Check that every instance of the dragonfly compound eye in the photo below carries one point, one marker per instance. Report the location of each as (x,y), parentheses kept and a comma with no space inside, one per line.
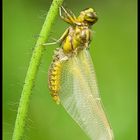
(89,16)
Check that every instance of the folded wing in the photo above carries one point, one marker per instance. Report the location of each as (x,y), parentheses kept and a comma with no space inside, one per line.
(80,96)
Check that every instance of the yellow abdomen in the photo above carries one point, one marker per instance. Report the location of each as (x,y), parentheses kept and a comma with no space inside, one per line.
(54,78)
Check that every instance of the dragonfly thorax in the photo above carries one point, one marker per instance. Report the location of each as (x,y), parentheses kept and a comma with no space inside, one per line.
(77,39)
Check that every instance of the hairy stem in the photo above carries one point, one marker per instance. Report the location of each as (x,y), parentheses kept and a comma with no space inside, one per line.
(32,70)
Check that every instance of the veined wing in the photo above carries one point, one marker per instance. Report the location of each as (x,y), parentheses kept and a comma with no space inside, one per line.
(80,97)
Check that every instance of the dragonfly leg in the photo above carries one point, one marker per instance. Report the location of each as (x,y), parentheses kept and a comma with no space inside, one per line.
(68,17)
(60,40)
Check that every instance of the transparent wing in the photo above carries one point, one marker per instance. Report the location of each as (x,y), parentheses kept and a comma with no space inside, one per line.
(80,97)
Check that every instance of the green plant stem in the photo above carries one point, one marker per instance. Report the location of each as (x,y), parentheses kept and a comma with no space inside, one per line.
(32,70)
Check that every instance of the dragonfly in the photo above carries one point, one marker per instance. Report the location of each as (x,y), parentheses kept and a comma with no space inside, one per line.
(71,77)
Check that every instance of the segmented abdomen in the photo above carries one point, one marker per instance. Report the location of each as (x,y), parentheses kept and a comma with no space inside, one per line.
(54,75)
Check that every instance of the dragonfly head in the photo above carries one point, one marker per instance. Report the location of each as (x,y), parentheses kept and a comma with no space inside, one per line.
(88,16)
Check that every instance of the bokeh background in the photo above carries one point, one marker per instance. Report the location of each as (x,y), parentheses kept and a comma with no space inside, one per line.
(114,53)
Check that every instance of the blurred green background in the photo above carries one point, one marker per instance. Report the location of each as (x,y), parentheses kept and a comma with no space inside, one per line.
(114,53)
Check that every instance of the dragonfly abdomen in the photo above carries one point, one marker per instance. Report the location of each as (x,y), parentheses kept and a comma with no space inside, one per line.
(54,77)
(54,74)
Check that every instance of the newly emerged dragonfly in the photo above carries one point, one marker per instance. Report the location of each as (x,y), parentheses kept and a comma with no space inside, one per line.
(72,79)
